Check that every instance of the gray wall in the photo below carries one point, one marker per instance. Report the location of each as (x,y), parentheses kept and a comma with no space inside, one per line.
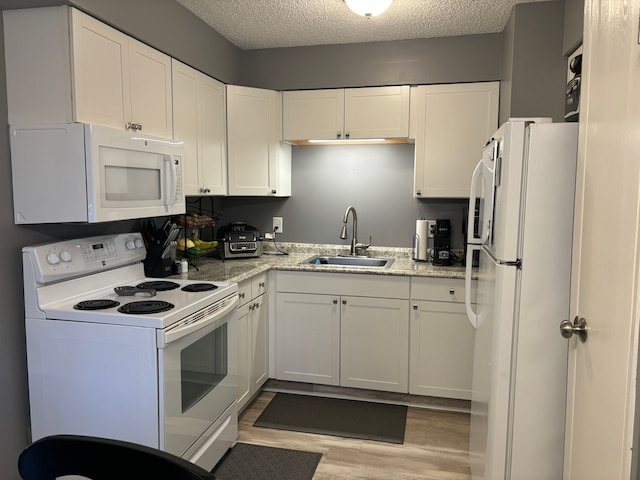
(376,179)
(534,69)
(473,58)
(573,25)
(315,217)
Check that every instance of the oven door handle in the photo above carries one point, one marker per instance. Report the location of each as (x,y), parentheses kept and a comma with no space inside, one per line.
(186,327)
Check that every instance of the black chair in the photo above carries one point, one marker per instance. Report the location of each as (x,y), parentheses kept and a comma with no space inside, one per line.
(103,459)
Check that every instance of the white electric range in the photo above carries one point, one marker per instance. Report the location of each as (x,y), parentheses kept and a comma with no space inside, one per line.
(112,353)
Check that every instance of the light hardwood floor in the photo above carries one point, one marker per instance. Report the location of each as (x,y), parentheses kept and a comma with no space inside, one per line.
(435,447)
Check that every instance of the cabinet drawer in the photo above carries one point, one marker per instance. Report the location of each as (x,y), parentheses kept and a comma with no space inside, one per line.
(258,284)
(244,292)
(441,289)
(329,283)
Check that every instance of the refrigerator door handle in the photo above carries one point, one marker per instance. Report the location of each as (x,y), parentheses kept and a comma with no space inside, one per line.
(471,315)
(473,194)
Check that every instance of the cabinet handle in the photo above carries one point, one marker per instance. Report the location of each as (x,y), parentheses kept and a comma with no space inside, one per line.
(256,305)
(241,295)
(347,134)
(335,301)
(261,285)
(452,291)
(339,134)
(418,192)
(415,306)
(205,190)
(273,192)
(344,302)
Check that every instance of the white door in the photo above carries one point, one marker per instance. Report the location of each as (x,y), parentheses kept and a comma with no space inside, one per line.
(602,371)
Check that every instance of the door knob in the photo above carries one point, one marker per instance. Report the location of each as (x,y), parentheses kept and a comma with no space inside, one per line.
(579,327)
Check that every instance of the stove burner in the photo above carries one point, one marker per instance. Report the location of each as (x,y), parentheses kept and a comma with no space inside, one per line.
(199,287)
(96,304)
(158,285)
(145,306)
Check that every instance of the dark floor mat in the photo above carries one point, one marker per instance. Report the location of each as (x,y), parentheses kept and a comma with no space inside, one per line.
(255,462)
(335,416)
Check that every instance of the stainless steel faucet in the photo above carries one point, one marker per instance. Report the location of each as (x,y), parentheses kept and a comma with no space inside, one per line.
(354,233)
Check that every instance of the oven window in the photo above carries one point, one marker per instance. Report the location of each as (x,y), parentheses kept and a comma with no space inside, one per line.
(203,364)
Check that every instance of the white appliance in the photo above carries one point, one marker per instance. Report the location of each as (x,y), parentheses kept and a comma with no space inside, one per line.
(525,183)
(113,354)
(89,173)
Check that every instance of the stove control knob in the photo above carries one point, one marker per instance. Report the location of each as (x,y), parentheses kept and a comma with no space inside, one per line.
(139,243)
(65,256)
(131,244)
(53,259)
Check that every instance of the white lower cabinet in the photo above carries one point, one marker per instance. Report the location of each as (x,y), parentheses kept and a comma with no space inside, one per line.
(343,329)
(308,338)
(253,327)
(441,339)
(374,349)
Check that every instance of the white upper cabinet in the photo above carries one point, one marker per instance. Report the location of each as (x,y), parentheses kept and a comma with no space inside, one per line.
(352,113)
(81,70)
(453,122)
(259,163)
(309,114)
(199,120)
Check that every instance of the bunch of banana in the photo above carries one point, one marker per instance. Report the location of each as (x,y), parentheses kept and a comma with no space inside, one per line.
(201,244)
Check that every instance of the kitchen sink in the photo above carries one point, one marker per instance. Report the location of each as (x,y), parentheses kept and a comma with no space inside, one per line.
(348,261)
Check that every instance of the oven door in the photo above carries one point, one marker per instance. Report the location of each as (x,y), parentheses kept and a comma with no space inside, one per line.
(198,373)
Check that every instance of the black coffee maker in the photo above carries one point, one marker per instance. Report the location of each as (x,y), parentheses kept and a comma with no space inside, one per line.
(442,243)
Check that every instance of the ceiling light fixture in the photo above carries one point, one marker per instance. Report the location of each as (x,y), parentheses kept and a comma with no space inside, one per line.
(368,8)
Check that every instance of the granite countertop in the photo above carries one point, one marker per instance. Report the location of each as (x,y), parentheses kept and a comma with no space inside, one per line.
(238,269)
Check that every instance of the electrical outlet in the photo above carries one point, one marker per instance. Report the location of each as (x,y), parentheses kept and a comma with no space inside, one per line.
(277,224)
(432,228)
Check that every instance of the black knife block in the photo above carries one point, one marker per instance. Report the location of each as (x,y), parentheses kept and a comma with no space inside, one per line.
(154,265)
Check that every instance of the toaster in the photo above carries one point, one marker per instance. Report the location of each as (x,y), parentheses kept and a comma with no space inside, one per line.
(239,240)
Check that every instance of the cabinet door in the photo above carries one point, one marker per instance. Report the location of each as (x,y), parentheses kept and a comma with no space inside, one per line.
(308,338)
(150,72)
(259,343)
(250,146)
(212,135)
(252,140)
(185,123)
(374,348)
(380,112)
(453,123)
(441,358)
(100,72)
(244,355)
(313,114)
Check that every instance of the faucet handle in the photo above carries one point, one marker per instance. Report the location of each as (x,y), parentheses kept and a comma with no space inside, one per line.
(364,246)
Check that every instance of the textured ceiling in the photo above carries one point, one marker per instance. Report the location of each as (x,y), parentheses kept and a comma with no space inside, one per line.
(252,24)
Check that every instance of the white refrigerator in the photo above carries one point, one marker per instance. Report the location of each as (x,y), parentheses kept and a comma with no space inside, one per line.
(525,186)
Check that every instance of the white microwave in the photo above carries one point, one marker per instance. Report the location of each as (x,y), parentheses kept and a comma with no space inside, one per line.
(89,173)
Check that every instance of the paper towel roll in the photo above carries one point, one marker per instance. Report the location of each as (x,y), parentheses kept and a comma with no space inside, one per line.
(420,240)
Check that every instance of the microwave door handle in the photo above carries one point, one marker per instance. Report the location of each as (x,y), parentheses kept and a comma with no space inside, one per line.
(473,194)
(171,197)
